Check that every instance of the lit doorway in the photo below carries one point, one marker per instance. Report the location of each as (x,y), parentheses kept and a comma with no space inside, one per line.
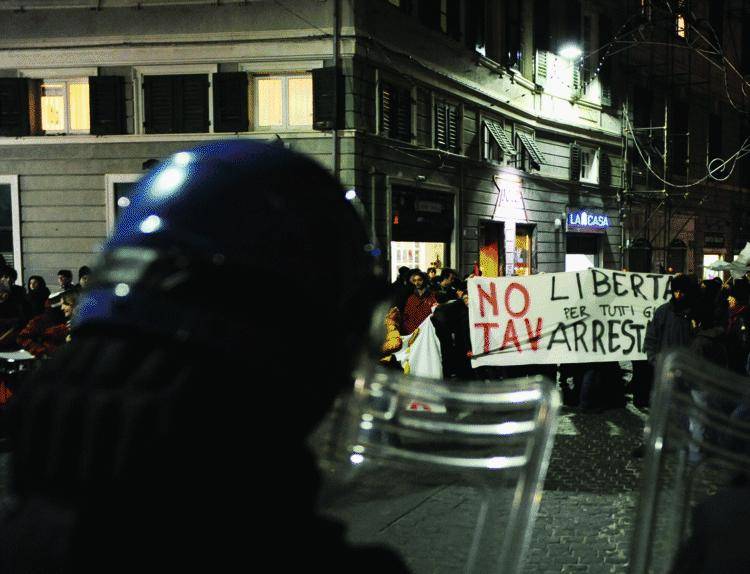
(416,255)
(421,229)
(491,256)
(581,252)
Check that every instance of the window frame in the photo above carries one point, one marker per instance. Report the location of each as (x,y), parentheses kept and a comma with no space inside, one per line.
(490,149)
(110,180)
(285,77)
(523,159)
(276,68)
(386,78)
(488,142)
(66,82)
(438,100)
(139,72)
(15,211)
(65,75)
(593,177)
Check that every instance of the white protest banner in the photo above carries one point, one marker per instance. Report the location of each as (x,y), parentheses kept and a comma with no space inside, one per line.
(585,316)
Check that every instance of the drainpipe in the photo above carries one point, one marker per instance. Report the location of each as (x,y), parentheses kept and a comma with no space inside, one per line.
(335,159)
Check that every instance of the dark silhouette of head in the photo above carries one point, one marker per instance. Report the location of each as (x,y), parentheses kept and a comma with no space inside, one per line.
(171,401)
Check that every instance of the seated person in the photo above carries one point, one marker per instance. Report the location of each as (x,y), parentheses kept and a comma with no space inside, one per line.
(38,295)
(44,334)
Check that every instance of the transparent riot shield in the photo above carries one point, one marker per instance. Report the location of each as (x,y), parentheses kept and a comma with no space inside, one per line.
(446,473)
(697,453)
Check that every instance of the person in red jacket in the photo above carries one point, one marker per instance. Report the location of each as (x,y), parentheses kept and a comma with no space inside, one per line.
(419,304)
(44,334)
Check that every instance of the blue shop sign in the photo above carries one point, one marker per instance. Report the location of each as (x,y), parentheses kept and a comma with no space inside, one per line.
(587,221)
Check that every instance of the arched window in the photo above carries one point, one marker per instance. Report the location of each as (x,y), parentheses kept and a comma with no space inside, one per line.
(639,256)
(676,256)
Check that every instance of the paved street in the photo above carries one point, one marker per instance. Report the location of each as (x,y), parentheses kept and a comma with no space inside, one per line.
(584,522)
(585,518)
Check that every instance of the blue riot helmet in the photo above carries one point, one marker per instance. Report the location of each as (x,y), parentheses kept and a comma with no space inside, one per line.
(224,315)
(239,246)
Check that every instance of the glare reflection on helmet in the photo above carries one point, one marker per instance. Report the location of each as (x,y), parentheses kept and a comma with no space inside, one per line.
(168,182)
(150,224)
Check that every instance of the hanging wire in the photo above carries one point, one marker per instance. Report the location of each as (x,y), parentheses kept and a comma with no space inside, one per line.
(713,166)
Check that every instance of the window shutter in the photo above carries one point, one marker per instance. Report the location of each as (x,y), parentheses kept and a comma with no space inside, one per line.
(194,104)
(325,98)
(395,112)
(541,67)
(15,106)
(441,125)
(159,104)
(35,106)
(446,126)
(230,102)
(387,96)
(529,144)
(403,115)
(575,162)
(605,169)
(107,105)
(497,131)
(453,128)
(576,77)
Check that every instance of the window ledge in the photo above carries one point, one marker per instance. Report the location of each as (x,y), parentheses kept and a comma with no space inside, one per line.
(135,138)
(490,64)
(521,80)
(586,103)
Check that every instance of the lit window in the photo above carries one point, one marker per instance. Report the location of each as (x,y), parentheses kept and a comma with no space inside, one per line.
(300,101)
(522,263)
(269,102)
(283,101)
(65,106)
(589,165)
(681,26)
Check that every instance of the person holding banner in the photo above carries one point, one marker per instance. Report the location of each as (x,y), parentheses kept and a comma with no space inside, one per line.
(671,326)
(451,321)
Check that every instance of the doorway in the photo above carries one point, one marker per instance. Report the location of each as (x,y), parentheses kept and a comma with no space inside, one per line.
(421,229)
(491,255)
(582,251)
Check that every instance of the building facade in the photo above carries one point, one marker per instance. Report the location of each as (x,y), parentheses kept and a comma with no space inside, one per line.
(463,136)
(685,193)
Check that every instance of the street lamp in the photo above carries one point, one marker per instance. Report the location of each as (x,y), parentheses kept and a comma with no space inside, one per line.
(570,51)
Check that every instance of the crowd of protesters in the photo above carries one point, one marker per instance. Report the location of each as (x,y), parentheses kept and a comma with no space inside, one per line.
(35,319)
(417,295)
(710,318)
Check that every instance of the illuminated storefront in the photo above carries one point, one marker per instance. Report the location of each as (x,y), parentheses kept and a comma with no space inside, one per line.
(422,225)
(585,229)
